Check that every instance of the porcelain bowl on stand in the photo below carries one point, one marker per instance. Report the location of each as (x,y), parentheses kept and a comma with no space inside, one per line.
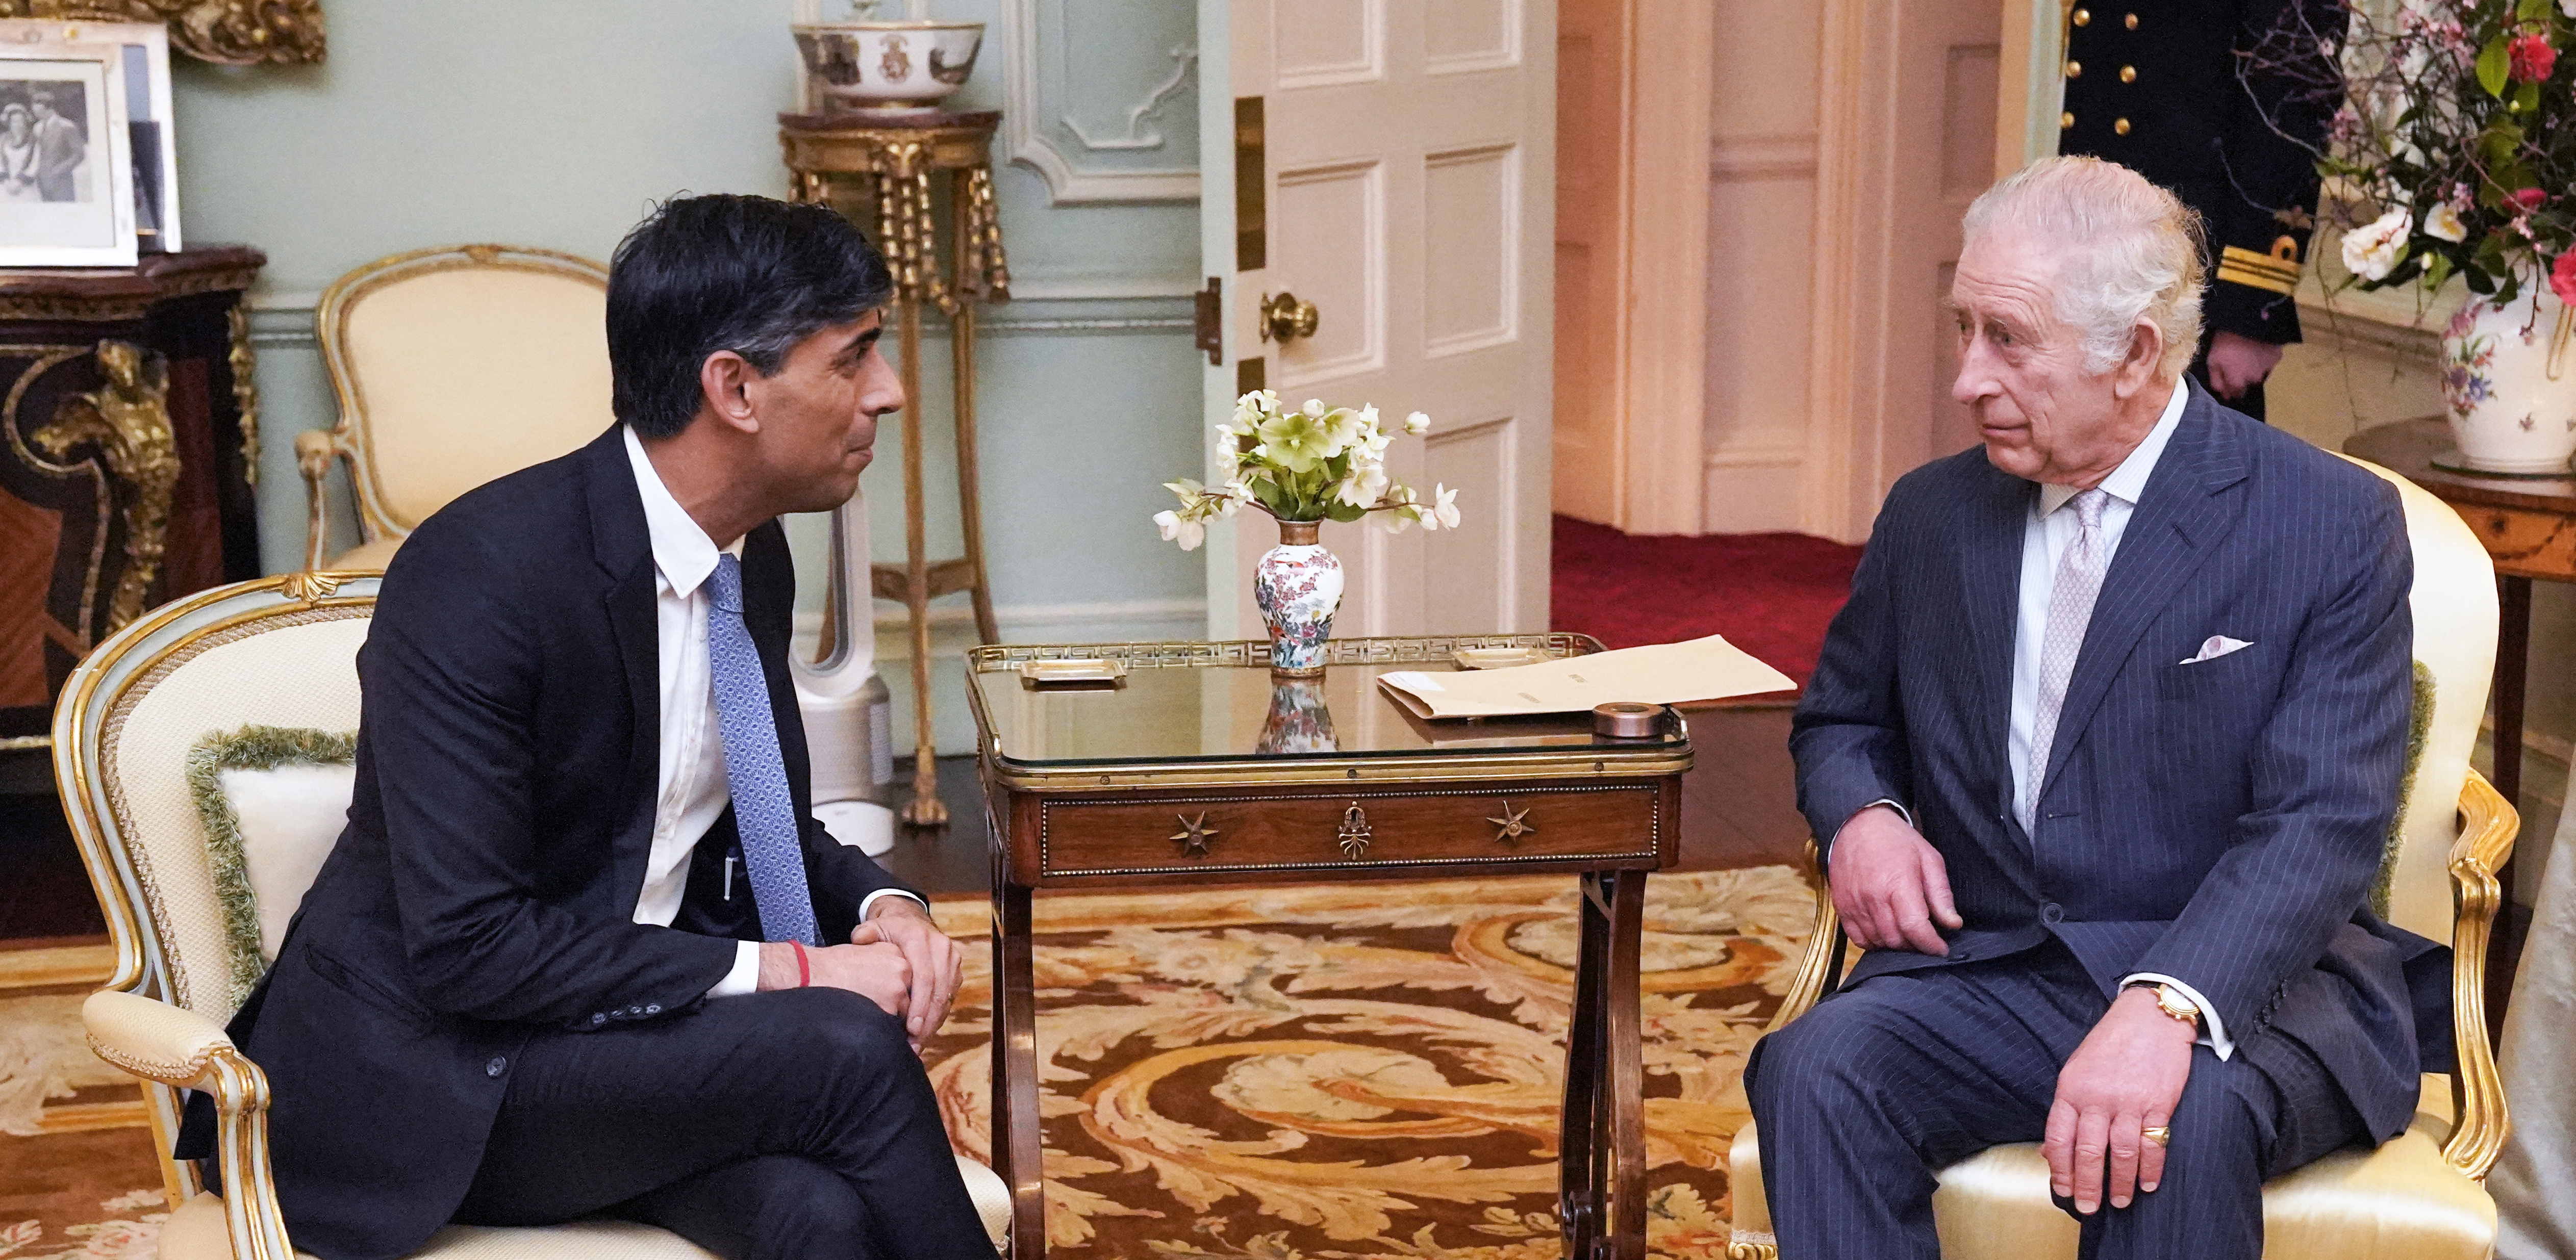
(887,67)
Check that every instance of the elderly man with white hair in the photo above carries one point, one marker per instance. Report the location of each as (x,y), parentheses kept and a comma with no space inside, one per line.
(2103,753)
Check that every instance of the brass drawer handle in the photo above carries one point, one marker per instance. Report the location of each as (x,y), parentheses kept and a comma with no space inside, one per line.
(1354,834)
(1512,824)
(1195,835)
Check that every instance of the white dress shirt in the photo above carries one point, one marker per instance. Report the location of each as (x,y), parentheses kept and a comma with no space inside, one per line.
(692,792)
(2043,544)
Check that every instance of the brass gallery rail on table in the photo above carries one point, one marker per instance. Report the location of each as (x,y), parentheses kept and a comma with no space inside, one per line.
(1198,767)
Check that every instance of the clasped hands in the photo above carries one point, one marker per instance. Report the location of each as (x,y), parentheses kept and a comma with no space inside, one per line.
(1890,885)
(898,959)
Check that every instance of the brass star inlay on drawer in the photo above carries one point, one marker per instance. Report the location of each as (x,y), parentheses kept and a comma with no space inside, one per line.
(1513,824)
(1194,836)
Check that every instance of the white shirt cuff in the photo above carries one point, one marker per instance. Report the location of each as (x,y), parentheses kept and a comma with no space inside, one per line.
(2213,1029)
(745,976)
(1901,812)
(869,902)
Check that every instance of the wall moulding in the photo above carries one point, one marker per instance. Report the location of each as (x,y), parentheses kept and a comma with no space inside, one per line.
(1096,106)
(1762,157)
(226,32)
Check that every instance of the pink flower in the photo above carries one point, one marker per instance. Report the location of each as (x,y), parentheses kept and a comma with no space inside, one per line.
(2530,58)
(2526,199)
(2562,277)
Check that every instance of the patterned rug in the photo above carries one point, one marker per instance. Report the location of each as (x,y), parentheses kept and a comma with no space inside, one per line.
(1345,1072)
(1357,1072)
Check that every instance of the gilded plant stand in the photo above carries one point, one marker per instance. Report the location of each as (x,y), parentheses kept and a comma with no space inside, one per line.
(883,174)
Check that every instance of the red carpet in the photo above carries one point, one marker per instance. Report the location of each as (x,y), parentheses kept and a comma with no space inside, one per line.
(1769,594)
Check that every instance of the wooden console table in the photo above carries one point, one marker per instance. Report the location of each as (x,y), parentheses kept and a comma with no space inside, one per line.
(894,167)
(1164,779)
(131,442)
(2528,525)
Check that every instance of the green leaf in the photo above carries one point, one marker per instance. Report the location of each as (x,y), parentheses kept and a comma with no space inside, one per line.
(1343,512)
(2493,63)
(2532,11)
(2480,281)
(2437,268)
(2526,98)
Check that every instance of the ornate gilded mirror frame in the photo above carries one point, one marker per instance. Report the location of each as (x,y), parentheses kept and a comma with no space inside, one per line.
(227,32)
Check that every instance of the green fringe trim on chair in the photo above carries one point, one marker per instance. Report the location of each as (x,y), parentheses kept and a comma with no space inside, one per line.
(250,748)
(2417,731)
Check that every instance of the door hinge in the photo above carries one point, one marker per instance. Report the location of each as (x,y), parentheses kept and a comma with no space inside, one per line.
(1207,320)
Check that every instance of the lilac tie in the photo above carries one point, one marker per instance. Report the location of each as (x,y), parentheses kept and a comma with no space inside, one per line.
(2070,610)
(763,811)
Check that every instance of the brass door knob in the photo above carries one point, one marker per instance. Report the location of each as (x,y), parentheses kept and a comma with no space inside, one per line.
(1285,319)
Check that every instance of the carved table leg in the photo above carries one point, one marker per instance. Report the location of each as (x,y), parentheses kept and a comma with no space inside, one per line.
(1017,1155)
(925,809)
(1603,1142)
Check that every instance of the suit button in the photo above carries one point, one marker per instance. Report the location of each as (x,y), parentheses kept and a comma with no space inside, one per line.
(2052,913)
(2128,74)
(653,1010)
(2130,21)
(2064,121)
(597,1019)
(497,1066)
(2082,17)
(2074,69)
(2119,126)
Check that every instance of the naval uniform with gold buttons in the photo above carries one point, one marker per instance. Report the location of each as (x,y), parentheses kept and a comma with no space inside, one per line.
(2156,86)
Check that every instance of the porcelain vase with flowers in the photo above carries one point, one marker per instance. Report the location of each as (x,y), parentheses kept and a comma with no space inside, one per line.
(2446,150)
(1302,467)
(2509,377)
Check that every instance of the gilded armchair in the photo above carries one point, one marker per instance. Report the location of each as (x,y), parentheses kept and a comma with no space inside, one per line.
(280,651)
(452,366)
(2418,1196)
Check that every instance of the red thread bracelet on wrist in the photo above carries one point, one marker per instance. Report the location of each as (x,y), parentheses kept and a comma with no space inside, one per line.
(804,972)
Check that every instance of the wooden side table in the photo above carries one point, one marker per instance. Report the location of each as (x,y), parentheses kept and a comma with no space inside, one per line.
(131,442)
(892,169)
(2529,527)
(1163,780)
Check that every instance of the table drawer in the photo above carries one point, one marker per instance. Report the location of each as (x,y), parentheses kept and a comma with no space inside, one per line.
(1244,833)
(2527,543)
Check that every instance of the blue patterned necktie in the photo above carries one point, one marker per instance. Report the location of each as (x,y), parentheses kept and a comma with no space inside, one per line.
(755,773)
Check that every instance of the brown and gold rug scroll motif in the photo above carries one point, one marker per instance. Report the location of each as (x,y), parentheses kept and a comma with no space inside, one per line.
(1349,1072)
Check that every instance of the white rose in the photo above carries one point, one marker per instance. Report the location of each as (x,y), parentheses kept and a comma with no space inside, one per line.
(2444,222)
(2371,250)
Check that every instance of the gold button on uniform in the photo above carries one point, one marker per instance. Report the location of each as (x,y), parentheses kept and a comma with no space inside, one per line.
(2082,17)
(2130,21)
(2065,121)
(2128,74)
(2120,126)
(2074,70)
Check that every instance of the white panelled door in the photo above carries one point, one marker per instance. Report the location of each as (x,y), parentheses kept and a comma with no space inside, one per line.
(1391,162)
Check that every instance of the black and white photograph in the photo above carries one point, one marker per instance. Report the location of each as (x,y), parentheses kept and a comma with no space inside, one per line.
(66,183)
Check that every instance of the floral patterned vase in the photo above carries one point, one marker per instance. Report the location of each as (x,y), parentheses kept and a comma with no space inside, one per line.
(2509,376)
(1298,586)
(1299,721)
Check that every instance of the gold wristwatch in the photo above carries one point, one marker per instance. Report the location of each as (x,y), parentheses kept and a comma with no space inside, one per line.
(2176,1005)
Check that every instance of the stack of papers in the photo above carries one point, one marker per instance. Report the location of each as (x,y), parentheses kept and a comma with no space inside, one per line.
(1666,673)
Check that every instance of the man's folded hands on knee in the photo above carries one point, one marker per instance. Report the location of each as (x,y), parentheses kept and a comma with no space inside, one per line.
(898,959)
(1890,884)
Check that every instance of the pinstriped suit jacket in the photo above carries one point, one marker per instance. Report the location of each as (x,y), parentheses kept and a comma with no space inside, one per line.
(2219,822)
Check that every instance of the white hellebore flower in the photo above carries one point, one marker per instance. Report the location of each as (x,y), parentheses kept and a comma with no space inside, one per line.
(1444,508)
(2371,250)
(1363,486)
(1186,531)
(2444,222)
(1419,423)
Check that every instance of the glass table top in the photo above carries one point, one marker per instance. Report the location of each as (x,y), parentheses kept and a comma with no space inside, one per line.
(1218,702)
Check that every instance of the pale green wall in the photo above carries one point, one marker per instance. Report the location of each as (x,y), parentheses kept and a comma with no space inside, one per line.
(557,123)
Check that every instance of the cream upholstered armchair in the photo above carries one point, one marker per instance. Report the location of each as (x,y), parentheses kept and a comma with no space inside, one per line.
(453,366)
(2420,1196)
(278,652)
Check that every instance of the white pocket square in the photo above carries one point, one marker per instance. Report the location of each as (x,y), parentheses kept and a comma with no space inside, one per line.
(2219,645)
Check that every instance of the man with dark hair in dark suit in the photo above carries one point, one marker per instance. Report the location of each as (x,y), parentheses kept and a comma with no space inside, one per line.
(2102,754)
(2215,100)
(583,948)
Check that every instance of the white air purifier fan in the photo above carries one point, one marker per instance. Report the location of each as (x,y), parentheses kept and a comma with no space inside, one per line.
(848,713)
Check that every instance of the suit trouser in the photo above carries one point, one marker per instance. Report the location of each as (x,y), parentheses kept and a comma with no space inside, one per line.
(789,1124)
(1863,1098)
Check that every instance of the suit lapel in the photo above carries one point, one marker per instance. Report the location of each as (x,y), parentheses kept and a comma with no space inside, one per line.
(2180,518)
(1990,581)
(623,548)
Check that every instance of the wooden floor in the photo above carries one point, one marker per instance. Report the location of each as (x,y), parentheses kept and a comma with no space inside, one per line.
(1739,807)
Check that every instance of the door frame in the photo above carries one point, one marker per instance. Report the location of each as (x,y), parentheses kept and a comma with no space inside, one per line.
(1847,460)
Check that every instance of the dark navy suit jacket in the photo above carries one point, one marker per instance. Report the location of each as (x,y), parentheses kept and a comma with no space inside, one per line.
(484,891)
(2220,822)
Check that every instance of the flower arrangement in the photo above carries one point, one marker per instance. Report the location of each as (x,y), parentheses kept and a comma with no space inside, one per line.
(2456,132)
(1314,463)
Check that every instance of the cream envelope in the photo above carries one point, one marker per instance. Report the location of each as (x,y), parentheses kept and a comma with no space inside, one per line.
(1665,673)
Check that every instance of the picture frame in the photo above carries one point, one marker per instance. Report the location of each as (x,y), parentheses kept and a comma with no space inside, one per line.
(66,157)
(150,132)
